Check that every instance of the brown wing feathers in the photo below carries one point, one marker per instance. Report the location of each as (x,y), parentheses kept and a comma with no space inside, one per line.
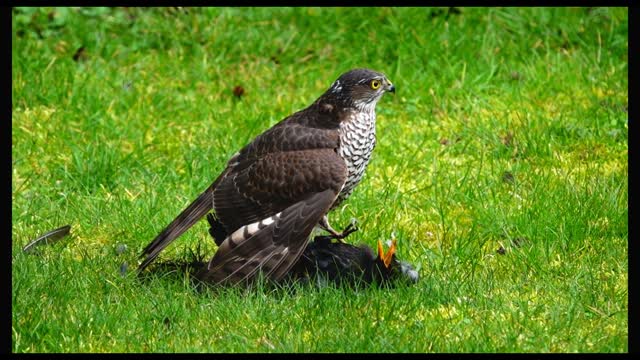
(278,196)
(274,182)
(270,209)
(187,218)
(271,248)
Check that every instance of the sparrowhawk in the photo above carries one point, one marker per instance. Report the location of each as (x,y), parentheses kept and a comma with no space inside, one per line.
(275,190)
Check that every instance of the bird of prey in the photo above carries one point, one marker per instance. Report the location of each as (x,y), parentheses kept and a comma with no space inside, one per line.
(281,185)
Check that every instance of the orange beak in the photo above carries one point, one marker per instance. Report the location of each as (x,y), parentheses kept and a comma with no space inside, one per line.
(386,258)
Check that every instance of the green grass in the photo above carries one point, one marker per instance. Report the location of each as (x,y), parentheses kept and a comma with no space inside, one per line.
(508,129)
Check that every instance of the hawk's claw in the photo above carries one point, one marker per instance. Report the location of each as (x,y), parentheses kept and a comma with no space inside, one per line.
(351,228)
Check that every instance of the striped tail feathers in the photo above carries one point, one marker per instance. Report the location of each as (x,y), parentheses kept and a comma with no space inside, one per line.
(187,218)
(271,245)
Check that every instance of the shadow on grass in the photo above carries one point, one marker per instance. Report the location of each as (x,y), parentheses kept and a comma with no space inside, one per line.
(323,263)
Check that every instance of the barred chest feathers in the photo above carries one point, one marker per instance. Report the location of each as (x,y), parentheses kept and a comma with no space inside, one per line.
(357,141)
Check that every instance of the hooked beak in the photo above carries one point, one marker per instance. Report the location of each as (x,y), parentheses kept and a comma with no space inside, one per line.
(391,87)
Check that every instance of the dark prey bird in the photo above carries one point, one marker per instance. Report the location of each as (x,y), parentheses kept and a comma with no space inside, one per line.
(341,263)
(281,185)
(344,263)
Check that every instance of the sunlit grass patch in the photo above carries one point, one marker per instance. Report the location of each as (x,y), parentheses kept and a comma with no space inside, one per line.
(500,168)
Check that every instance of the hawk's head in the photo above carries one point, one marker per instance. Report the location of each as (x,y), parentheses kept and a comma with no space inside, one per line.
(360,88)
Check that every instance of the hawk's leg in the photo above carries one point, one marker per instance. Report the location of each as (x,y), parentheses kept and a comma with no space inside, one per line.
(324,223)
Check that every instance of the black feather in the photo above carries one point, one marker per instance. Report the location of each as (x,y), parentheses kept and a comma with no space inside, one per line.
(48,238)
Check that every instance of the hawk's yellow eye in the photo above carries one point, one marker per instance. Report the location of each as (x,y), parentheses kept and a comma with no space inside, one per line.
(375,84)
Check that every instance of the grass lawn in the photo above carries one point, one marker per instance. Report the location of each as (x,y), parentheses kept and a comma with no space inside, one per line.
(501,166)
